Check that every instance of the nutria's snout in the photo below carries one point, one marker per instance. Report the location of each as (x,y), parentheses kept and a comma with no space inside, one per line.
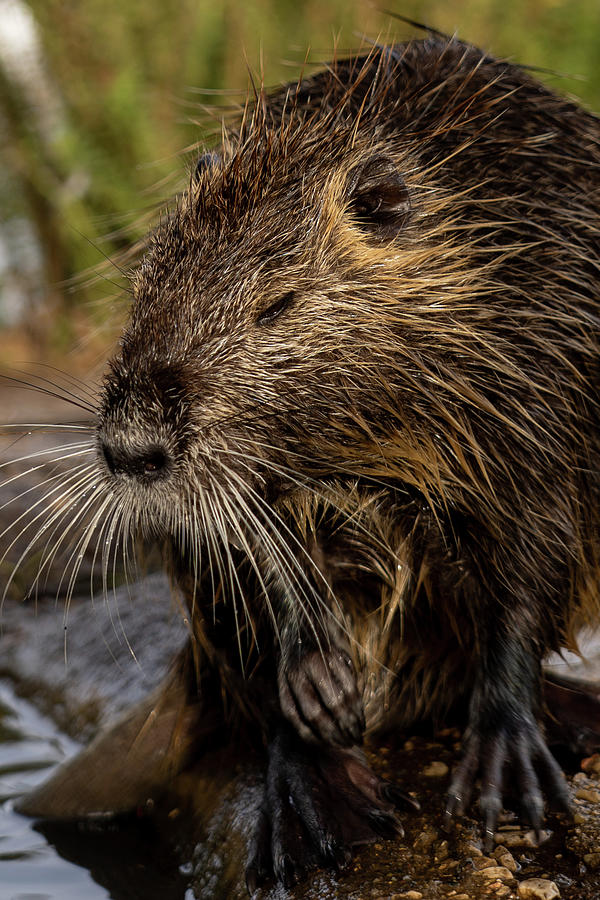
(150,463)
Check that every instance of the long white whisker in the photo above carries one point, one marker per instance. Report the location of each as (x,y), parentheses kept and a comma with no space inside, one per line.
(216,512)
(59,493)
(53,391)
(44,428)
(315,487)
(120,533)
(48,555)
(83,543)
(239,532)
(78,448)
(74,492)
(282,554)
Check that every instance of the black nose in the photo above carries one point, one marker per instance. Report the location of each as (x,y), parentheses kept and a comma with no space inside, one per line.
(149,463)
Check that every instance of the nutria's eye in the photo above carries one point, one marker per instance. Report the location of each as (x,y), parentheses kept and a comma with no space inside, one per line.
(379,198)
(275,309)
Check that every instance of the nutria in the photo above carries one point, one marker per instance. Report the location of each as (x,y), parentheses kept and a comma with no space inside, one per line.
(357,399)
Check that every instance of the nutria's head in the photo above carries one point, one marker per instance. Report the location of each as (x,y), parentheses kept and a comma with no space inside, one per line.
(250,341)
(281,309)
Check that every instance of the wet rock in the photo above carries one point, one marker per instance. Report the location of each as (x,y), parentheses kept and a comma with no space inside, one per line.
(587,794)
(521,838)
(538,889)
(483,862)
(496,872)
(505,858)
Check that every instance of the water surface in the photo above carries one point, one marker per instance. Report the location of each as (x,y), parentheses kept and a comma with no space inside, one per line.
(124,861)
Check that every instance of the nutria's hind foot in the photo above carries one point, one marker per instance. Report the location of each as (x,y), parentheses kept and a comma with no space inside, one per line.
(519,748)
(318,804)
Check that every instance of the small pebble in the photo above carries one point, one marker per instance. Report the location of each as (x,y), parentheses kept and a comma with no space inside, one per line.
(436,770)
(448,865)
(500,872)
(505,858)
(424,841)
(538,889)
(442,851)
(592,860)
(588,794)
(591,765)
(522,838)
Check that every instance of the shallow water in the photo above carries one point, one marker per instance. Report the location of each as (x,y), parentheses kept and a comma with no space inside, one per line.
(30,868)
(35,859)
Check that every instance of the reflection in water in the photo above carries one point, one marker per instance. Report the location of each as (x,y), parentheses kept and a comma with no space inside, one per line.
(122,860)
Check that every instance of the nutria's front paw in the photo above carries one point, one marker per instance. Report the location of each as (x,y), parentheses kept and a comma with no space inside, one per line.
(319,696)
(318,804)
(521,747)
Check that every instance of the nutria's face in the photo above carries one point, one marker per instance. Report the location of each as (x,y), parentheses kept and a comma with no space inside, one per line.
(241,350)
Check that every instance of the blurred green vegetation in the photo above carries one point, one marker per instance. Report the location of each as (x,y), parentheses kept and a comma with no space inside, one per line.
(91,151)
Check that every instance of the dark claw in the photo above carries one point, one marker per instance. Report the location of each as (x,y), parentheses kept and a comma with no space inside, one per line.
(393,794)
(342,858)
(490,801)
(385,824)
(555,780)
(532,801)
(286,871)
(252,880)
(459,793)
(337,855)
(533,807)
(258,869)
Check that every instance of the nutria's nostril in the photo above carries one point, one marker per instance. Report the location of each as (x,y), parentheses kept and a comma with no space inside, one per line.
(149,463)
(154,462)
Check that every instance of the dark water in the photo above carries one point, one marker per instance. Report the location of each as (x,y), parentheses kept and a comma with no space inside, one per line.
(36,860)
(30,868)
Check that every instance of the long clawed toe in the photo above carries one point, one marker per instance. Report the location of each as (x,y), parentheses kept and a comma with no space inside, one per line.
(318,804)
(521,749)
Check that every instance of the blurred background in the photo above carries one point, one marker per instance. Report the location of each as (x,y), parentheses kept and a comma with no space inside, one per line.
(100,100)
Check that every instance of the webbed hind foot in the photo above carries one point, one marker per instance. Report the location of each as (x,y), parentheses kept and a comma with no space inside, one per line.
(318,804)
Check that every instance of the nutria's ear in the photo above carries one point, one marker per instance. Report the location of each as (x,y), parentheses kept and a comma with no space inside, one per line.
(379,199)
(206,161)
